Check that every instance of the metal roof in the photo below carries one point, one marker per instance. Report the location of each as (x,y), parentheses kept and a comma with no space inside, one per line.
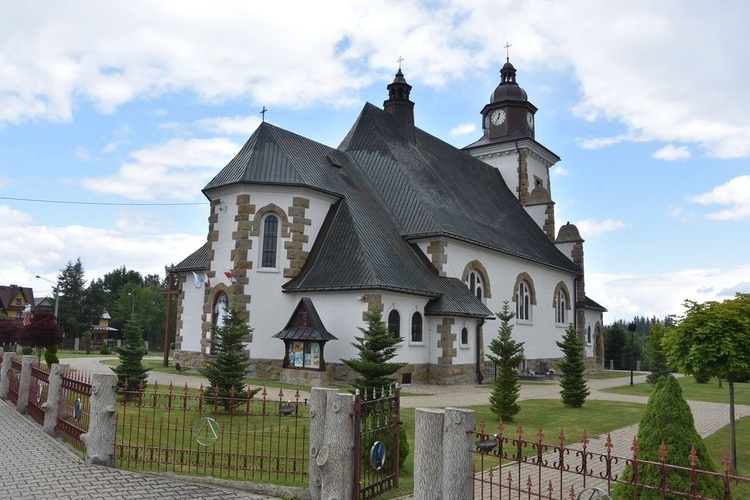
(305,324)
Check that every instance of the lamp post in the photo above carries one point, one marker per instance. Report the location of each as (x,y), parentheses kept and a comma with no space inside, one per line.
(132,307)
(631,329)
(57,293)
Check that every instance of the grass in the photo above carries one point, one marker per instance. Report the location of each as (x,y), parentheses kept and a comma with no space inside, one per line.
(692,391)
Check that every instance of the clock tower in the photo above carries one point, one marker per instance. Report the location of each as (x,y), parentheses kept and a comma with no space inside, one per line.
(509,114)
(509,144)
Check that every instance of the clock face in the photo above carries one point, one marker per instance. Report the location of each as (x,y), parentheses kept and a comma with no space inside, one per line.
(497,117)
(530,119)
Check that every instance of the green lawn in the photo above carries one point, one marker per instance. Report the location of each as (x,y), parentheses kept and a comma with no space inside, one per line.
(693,391)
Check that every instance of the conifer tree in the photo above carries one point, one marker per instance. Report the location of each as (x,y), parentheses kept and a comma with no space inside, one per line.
(659,365)
(376,347)
(227,370)
(131,357)
(667,418)
(574,390)
(508,355)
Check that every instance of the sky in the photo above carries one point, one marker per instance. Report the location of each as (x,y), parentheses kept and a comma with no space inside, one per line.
(114,116)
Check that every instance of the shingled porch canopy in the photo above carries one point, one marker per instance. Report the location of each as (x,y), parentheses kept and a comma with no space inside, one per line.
(304,338)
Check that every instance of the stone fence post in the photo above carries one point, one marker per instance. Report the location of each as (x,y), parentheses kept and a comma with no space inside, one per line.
(100,438)
(54,393)
(23,386)
(442,454)
(332,458)
(4,371)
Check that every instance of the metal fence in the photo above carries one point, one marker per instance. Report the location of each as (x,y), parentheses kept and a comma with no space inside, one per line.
(74,409)
(376,442)
(188,431)
(509,466)
(14,379)
(38,389)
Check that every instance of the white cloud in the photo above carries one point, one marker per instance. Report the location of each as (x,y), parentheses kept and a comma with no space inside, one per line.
(593,227)
(175,170)
(30,249)
(672,153)
(662,69)
(735,193)
(603,142)
(629,295)
(82,154)
(463,129)
(559,170)
(238,125)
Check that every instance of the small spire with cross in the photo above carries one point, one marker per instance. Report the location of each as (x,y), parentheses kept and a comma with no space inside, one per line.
(507,47)
(263,113)
(399,61)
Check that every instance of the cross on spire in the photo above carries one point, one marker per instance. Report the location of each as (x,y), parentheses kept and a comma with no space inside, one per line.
(507,46)
(399,61)
(263,113)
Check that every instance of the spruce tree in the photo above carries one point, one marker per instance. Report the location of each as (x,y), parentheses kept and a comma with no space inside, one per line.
(667,418)
(227,370)
(574,390)
(508,355)
(659,365)
(131,357)
(376,347)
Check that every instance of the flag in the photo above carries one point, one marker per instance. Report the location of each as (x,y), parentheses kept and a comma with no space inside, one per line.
(229,275)
(198,280)
(208,280)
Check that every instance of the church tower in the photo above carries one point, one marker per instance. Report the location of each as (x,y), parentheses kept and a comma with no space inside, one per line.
(508,144)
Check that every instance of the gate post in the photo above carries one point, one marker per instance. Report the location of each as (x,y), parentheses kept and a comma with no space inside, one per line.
(318,403)
(25,383)
(52,405)
(457,458)
(335,458)
(4,373)
(428,453)
(100,438)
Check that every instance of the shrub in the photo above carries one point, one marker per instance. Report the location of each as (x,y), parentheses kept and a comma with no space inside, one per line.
(105,349)
(667,419)
(573,386)
(50,355)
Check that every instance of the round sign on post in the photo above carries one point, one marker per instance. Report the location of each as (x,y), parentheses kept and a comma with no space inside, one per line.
(377,455)
(206,431)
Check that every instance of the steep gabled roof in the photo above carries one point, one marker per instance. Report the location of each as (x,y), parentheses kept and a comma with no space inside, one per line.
(305,324)
(434,189)
(196,261)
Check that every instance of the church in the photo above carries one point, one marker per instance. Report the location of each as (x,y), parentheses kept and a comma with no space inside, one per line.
(307,238)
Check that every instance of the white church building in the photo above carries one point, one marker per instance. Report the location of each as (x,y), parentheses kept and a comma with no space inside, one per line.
(307,238)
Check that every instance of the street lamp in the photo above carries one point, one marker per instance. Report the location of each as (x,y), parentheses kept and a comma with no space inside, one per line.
(132,308)
(57,293)
(631,329)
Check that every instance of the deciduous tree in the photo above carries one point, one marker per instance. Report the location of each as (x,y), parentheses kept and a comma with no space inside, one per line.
(713,338)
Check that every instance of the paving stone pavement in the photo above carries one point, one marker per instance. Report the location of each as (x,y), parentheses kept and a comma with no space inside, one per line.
(35,466)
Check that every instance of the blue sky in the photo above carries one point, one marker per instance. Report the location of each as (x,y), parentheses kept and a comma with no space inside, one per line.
(114,115)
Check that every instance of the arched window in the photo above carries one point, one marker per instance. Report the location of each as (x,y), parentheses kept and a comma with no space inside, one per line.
(221,306)
(394,323)
(416,327)
(475,285)
(523,302)
(560,307)
(270,240)
(464,336)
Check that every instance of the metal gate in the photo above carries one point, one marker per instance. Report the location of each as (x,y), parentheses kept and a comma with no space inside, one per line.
(376,442)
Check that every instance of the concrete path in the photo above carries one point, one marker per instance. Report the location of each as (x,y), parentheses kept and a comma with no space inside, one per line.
(34,465)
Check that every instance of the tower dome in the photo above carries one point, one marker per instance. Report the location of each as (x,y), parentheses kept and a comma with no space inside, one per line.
(508,90)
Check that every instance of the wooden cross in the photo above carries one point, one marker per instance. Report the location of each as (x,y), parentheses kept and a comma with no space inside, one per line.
(263,113)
